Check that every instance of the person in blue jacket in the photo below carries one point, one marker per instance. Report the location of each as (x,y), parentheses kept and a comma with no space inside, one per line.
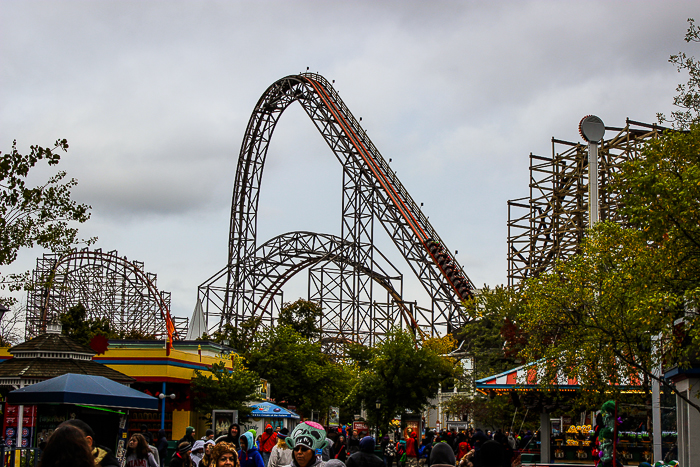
(249,456)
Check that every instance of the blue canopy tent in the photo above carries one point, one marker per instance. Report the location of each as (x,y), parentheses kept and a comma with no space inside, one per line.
(268,410)
(265,413)
(89,390)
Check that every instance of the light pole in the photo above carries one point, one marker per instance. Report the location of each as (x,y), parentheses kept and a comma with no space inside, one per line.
(592,129)
(162,397)
(378,405)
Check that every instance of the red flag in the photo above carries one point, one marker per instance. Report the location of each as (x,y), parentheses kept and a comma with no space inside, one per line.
(171,329)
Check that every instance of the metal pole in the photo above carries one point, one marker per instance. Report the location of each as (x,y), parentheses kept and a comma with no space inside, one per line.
(614,463)
(593,183)
(20,420)
(162,410)
(656,400)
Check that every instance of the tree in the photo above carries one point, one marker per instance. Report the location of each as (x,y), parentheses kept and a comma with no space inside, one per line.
(238,337)
(483,338)
(594,316)
(76,325)
(40,215)
(688,97)
(485,412)
(12,326)
(303,317)
(219,388)
(402,375)
(299,373)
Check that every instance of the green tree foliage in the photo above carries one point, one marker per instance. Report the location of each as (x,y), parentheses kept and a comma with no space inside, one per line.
(303,317)
(240,338)
(688,97)
(489,413)
(219,388)
(40,215)
(402,375)
(593,316)
(483,338)
(76,325)
(299,373)
(359,354)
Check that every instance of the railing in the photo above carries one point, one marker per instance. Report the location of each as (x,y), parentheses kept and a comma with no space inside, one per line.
(19,457)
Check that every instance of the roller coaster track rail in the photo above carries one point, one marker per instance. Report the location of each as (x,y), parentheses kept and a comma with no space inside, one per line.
(372,191)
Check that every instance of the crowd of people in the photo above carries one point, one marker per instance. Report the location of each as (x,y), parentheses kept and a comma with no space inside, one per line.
(308,445)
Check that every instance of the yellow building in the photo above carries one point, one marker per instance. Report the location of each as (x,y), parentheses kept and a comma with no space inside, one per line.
(167,377)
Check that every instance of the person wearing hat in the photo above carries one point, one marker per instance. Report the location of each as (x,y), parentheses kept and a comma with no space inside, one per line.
(365,457)
(208,447)
(306,441)
(197,452)
(189,436)
(181,458)
(268,440)
(248,455)
(280,455)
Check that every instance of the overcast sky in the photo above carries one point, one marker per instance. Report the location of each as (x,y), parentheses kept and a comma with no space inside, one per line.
(154,98)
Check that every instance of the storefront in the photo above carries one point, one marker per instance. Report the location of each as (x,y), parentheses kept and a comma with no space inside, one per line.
(567,439)
(168,378)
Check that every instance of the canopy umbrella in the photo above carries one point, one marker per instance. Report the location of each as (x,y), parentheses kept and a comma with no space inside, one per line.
(92,390)
(266,409)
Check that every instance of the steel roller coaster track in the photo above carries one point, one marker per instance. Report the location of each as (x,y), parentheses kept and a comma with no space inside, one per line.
(109,286)
(371,191)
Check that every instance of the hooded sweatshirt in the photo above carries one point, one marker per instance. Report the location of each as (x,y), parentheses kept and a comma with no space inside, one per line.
(268,439)
(250,457)
(229,438)
(365,456)
(197,457)
(441,455)
(412,445)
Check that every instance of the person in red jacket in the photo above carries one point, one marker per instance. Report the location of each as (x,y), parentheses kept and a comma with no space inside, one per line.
(412,450)
(268,440)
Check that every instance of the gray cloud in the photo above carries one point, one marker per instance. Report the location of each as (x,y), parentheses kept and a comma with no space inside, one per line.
(154,98)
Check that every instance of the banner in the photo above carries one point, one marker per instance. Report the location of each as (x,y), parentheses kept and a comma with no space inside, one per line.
(334,416)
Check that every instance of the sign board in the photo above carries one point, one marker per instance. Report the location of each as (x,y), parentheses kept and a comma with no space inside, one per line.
(334,416)
(360,429)
(221,420)
(412,422)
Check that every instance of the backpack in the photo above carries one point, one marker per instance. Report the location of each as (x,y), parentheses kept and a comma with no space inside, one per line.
(390,450)
(424,451)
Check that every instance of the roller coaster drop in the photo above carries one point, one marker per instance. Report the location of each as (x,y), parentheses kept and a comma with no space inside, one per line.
(342,270)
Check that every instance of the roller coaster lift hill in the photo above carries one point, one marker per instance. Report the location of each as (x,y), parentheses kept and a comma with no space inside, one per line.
(371,191)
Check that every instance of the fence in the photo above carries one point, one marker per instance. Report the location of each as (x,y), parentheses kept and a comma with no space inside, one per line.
(19,457)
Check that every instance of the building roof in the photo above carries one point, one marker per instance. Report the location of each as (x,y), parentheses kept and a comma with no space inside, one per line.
(52,343)
(529,376)
(43,368)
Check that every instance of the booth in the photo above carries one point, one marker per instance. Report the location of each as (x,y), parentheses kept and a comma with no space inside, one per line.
(570,443)
(100,402)
(265,413)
